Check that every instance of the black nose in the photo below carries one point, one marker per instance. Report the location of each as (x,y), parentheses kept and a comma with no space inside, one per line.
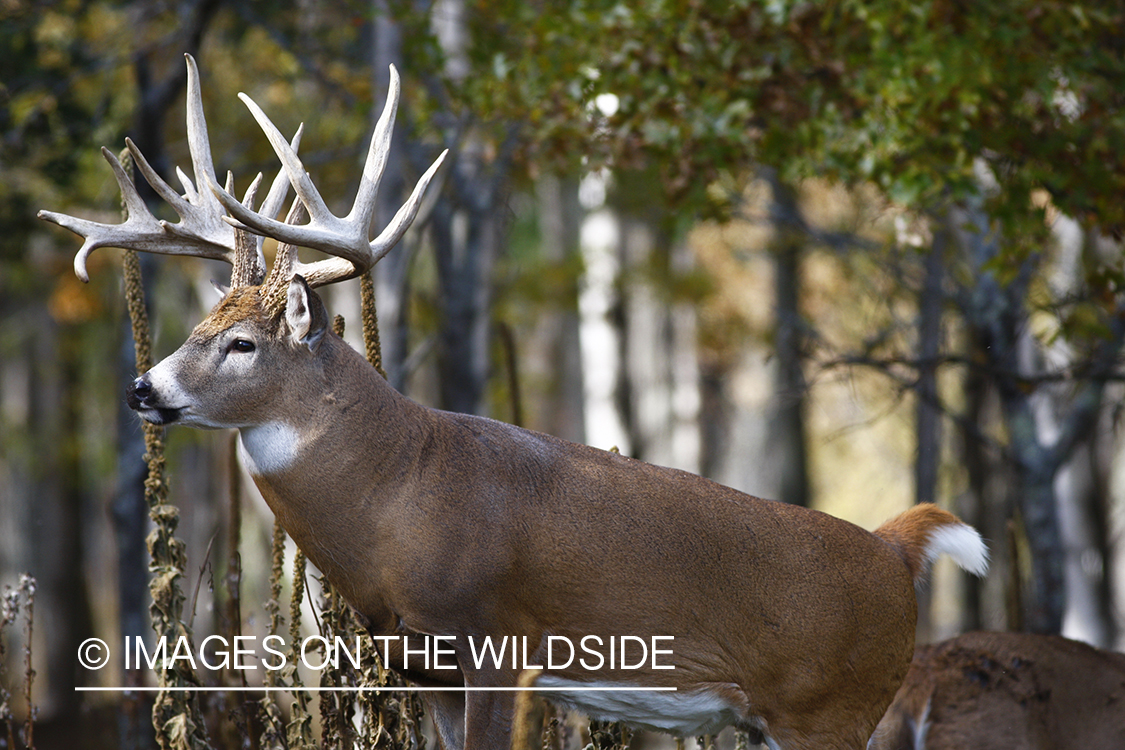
(138,391)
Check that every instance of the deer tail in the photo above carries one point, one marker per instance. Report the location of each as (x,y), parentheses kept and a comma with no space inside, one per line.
(926,531)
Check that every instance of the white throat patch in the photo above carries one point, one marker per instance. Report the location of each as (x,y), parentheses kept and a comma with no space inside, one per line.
(268,448)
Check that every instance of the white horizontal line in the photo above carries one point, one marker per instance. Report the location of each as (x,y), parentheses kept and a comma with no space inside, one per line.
(331,689)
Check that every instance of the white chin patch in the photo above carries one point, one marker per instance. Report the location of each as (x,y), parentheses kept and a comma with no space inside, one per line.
(268,448)
(683,713)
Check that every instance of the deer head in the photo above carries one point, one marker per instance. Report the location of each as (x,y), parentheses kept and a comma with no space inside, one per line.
(218,378)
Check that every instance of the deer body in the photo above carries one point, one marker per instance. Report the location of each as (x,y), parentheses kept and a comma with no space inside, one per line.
(436,523)
(1008,691)
(784,621)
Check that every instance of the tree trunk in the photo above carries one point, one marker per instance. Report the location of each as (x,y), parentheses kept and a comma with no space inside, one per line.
(599,307)
(62,607)
(997,316)
(787,446)
(646,347)
(555,345)
(985,508)
(130,526)
(1080,485)
(686,378)
(466,229)
(928,417)
(390,275)
(928,412)
(465,243)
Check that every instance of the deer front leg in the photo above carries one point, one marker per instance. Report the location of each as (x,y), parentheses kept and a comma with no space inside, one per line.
(471,720)
(488,720)
(447,710)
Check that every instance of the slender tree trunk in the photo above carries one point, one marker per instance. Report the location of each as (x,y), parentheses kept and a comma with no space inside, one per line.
(982,508)
(1100,519)
(391,274)
(599,305)
(685,377)
(646,346)
(714,416)
(928,417)
(465,243)
(1088,616)
(130,526)
(466,230)
(787,446)
(62,604)
(1046,594)
(555,343)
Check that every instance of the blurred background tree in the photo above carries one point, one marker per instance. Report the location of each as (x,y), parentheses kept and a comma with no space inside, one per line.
(846,254)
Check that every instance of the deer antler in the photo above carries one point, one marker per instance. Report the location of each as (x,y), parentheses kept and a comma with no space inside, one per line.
(344,238)
(201,230)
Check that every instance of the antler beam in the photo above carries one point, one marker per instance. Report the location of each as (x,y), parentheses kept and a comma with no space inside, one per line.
(346,239)
(201,231)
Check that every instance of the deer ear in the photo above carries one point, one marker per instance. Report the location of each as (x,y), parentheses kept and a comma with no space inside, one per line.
(305,314)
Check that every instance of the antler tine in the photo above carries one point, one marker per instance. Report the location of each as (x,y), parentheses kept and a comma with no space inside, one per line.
(199,211)
(201,221)
(345,238)
(404,217)
(140,230)
(199,143)
(275,198)
(377,153)
(325,232)
(249,266)
(331,270)
(201,231)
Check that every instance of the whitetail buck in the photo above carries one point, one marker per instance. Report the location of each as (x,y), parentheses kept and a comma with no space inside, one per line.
(1008,691)
(787,622)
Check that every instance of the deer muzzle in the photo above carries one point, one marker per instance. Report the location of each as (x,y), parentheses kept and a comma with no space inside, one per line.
(143,399)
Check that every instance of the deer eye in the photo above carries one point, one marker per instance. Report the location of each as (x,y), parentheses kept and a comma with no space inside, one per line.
(245,346)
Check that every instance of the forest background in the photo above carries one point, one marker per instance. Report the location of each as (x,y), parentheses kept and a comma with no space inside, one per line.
(849,254)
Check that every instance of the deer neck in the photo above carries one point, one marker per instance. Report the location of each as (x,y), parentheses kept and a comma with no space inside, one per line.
(335,457)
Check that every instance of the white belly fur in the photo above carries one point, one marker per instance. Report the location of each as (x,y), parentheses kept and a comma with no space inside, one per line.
(680,712)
